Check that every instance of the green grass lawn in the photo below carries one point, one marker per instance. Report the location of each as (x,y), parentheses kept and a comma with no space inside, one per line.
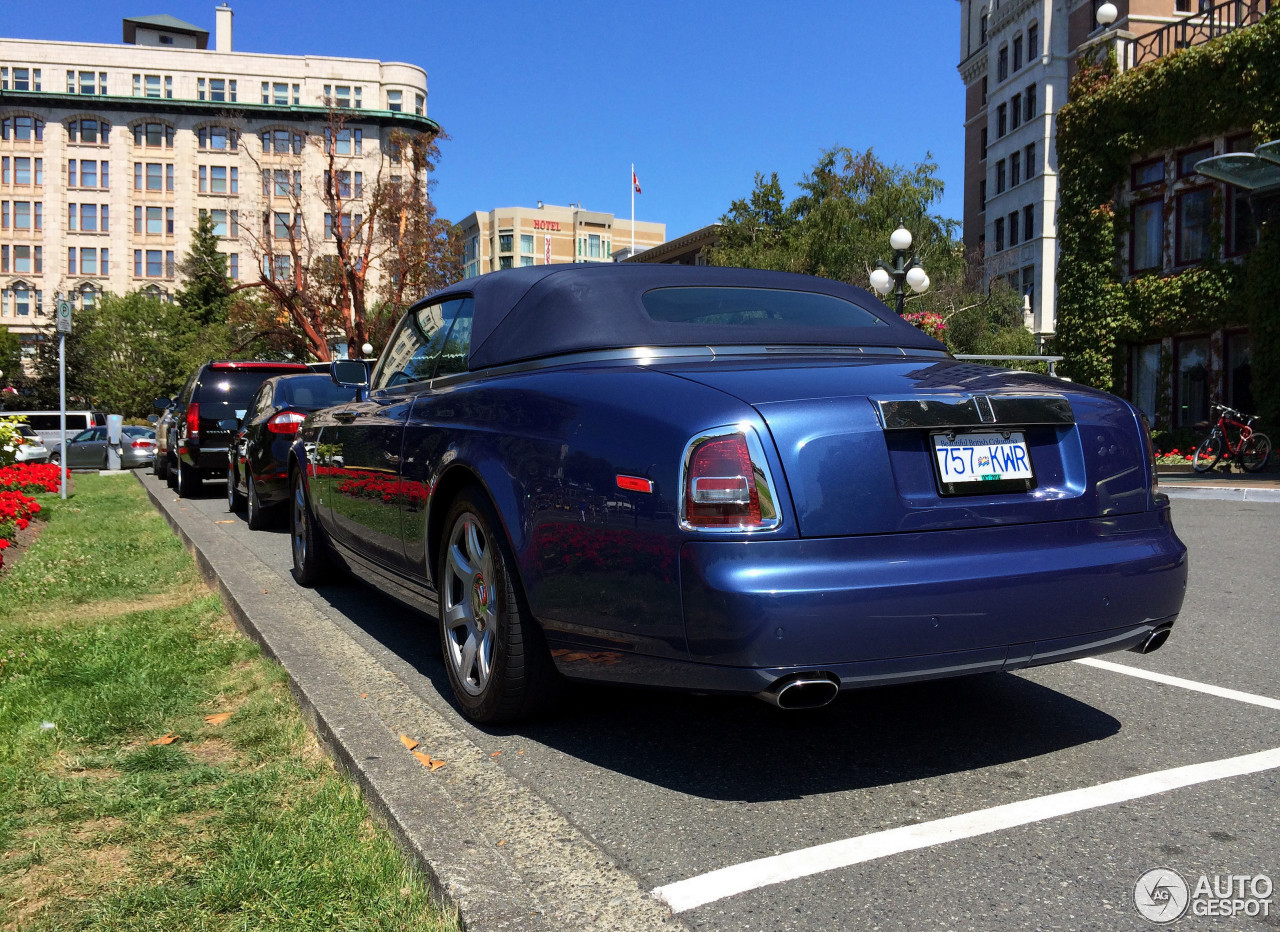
(108,641)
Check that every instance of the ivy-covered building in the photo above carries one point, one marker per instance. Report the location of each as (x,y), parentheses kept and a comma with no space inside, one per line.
(1168,279)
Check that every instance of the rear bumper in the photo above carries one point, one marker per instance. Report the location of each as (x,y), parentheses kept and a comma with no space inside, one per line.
(901,607)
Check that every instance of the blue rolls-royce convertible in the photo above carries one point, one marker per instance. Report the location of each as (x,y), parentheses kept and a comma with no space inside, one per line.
(726,480)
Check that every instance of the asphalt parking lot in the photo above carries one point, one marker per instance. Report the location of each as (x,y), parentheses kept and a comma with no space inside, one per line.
(1032,800)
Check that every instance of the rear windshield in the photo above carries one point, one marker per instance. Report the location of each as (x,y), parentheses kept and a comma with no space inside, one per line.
(752,307)
(234,387)
(312,392)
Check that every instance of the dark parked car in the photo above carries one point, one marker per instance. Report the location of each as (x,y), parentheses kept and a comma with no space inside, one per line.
(165,457)
(215,392)
(730,481)
(258,458)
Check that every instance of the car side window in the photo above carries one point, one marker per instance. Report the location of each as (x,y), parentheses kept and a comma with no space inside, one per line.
(453,356)
(421,342)
(260,402)
(83,437)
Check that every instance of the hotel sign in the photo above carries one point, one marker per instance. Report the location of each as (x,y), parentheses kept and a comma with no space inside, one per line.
(551,225)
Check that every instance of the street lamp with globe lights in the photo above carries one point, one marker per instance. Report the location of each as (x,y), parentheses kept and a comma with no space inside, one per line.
(886,277)
(1107,14)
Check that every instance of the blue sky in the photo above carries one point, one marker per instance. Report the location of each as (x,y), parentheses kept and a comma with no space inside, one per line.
(553,101)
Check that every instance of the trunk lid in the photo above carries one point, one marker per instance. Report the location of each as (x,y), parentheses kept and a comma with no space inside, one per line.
(855,440)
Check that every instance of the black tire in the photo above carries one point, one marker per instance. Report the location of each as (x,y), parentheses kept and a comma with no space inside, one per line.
(1255,452)
(1207,454)
(235,499)
(306,540)
(494,652)
(259,518)
(171,474)
(189,481)
(160,466)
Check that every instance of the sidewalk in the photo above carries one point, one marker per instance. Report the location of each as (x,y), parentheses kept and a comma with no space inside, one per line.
(1223,485)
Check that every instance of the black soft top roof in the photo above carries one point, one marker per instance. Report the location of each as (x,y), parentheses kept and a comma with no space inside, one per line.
(529,313)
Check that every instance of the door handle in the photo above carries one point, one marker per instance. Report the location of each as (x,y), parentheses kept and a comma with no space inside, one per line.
(345,417)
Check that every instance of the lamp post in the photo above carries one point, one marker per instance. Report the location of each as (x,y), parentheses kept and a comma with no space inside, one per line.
(886,277)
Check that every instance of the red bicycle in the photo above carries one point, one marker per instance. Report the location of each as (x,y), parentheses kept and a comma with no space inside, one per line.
(1250,449)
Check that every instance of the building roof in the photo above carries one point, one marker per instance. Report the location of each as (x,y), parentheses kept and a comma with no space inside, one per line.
(166,22)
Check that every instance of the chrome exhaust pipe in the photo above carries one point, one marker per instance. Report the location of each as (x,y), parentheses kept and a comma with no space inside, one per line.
(1155,640)
(802,691)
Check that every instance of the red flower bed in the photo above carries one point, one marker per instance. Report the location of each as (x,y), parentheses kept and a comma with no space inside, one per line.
(30,477)
(17,507)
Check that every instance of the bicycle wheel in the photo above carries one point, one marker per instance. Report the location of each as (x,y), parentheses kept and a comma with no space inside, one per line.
(1255,452)
(1207,454)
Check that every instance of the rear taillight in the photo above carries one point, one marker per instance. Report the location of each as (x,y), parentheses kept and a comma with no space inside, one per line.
(193,421)
(286,422)
(142,444)
(726,484)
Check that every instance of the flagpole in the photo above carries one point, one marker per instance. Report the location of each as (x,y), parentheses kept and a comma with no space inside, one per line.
(633,208)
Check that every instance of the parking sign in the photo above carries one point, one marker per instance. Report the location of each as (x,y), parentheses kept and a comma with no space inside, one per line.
(64,316)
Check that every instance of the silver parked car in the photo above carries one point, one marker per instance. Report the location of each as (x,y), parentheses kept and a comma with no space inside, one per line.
(88,449)
(29,448)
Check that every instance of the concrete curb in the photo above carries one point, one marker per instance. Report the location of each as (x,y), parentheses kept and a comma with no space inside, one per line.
(551,877)
(1220,493)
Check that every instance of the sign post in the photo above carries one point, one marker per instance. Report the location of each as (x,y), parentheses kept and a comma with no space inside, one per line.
(64,327)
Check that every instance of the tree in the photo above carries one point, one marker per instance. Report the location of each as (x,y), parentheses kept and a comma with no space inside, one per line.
(207,293)
(382,230)
(10,357)
(839,225)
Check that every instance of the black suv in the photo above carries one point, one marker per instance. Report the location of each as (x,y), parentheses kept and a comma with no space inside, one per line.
(217,391)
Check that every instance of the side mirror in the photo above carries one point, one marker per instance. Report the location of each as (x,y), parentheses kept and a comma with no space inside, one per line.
(152,419)
(161,403)
(349,373)
(229,423)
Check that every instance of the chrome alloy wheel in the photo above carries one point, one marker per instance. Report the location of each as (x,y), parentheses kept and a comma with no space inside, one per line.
(470,604)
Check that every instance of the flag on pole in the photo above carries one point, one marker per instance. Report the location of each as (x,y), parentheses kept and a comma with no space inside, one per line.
(635,182)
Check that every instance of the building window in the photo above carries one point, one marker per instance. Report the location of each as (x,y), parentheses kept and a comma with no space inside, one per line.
(1147,174)
(1002,63)
(999,234)
(1000,176)
(1017,52)
(1144,377)
(1187,160)
(1146,242)
(1238,369)
(1015,106)
(88,132)
(526,242)
(149,85)
(983,143)
(153,135)
(1192,366)
(218,89)
(1013,228)
(1029,160)
(982,29)
(395,101)
(1029,102)
(86,82)
(343,96)
(982,194)
(233,266)
(1033,42)
(1028,222)
(1015,169)
(344,141)
(22,129)
(505,241)
(218,138)
(419,104)
(1002,120)
(1029,283)
(18,170)
(1194,213)
(24,79)
(984,90)
(1242,233)
(88,173)
(282,142)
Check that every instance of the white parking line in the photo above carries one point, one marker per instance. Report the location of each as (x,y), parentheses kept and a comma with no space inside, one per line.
(706,888)
(1220,691)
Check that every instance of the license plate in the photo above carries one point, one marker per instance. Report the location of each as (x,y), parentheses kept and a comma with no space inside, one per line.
(973,463)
